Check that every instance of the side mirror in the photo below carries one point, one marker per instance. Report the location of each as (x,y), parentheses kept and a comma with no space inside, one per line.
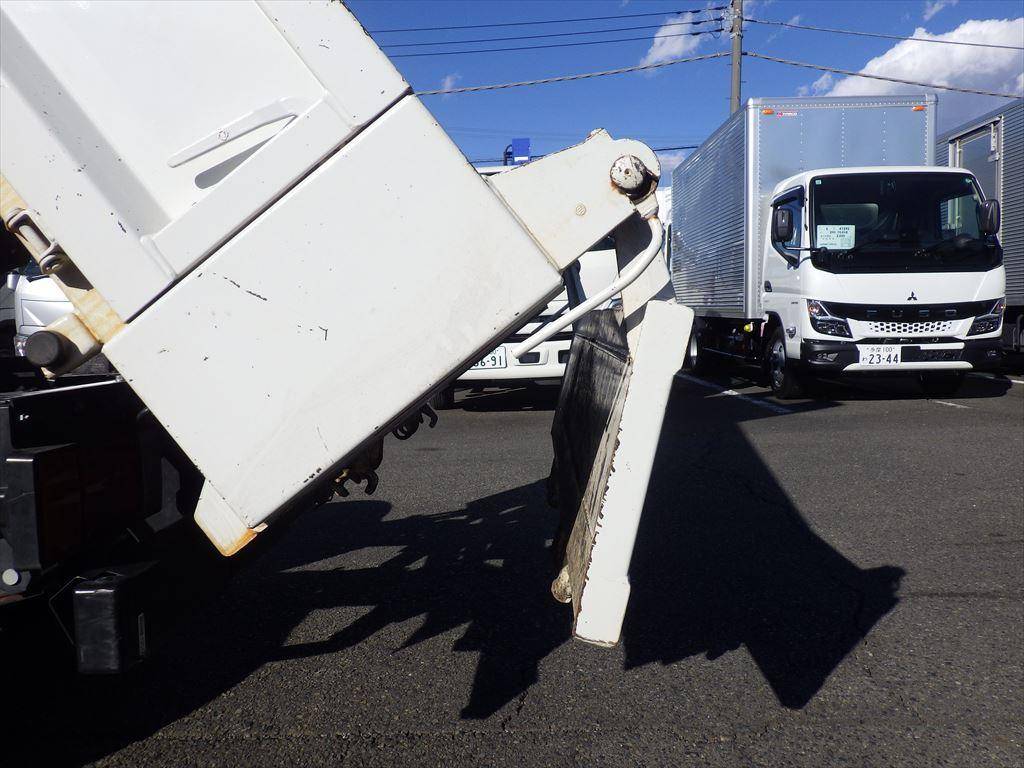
(782,225)
(990,217)
(12,280)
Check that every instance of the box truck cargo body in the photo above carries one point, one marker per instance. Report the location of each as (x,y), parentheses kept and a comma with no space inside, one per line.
(815,236)
(992,148)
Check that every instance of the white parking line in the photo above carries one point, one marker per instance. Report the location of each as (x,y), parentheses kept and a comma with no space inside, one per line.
(766,404)
(951,405)
(997,378)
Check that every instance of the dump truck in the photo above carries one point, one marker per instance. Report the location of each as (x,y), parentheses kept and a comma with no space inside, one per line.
(815,237)
(165,164)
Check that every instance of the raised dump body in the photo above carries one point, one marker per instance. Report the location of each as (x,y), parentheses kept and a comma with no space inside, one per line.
(284,255)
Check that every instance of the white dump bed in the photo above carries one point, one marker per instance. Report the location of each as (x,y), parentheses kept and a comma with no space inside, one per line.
(272,239)
(298,252)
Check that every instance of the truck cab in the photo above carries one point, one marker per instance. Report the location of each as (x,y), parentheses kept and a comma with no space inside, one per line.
(892,269)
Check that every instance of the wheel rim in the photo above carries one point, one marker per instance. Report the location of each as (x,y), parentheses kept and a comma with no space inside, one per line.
(777,364)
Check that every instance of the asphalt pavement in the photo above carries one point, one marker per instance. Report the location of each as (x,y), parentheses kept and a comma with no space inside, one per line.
(816,582)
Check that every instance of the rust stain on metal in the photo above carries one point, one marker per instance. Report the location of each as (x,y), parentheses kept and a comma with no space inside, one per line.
(238,543)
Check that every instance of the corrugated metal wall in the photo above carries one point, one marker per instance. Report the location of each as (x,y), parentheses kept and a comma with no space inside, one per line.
(708,224)
(1011,192)
(717,229)
(1012,234)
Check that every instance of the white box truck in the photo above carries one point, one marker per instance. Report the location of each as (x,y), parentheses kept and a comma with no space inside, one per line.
(811,237)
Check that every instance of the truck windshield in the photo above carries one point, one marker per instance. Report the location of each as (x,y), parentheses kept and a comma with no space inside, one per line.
(905,222)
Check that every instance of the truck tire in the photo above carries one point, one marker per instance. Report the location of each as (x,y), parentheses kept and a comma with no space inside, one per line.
(781,372)
(941,383)
(698,361)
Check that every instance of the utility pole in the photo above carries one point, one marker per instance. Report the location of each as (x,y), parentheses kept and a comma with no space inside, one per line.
(736,32)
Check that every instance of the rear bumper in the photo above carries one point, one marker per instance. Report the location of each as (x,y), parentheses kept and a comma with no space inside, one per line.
(843,356)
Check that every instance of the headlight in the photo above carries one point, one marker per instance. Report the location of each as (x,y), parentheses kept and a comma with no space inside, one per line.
(989,322)
(825,322)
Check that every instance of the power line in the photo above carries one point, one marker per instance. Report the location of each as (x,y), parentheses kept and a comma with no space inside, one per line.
(567,78)
(548,21)
(790,25)
(480,132)
(706,57)
(551,34)
(555,45)
(850,73)
(538,157)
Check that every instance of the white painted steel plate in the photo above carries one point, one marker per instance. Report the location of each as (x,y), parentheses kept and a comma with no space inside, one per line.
(274,360)
(145,134)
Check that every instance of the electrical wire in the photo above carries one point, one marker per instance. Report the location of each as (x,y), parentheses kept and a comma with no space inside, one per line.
(552,34)
(548,21)
(567,78)
(641,134)
(555,45)
(538,157)
(706,57)
(791,25)
(850,73)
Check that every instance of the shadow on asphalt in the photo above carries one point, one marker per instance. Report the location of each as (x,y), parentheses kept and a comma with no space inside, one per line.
(867,387)
(519,398)
(485,566)
(723,560)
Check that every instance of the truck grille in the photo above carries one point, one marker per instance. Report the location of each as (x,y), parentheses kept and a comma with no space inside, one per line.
(932,327)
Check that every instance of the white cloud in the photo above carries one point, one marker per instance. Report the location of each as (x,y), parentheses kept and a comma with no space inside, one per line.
(449,81)
(664,48)
(669,160)
(781,30)
(989,69)
(931,7)
(818,87)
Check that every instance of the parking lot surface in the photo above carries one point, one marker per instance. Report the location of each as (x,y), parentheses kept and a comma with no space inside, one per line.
(826,582)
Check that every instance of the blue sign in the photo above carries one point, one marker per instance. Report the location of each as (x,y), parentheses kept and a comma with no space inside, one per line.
(520,150)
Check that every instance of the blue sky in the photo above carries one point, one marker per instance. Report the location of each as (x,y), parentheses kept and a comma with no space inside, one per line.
(682,104)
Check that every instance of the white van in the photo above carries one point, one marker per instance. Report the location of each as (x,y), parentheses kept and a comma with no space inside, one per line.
(38,301)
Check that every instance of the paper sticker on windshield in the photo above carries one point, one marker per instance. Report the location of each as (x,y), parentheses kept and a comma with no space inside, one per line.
(836,237)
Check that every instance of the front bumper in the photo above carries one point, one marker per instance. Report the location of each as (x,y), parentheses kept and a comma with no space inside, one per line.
(954,354)
(547,361)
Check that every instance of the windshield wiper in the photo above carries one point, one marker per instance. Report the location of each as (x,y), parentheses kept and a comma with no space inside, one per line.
(949,240)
